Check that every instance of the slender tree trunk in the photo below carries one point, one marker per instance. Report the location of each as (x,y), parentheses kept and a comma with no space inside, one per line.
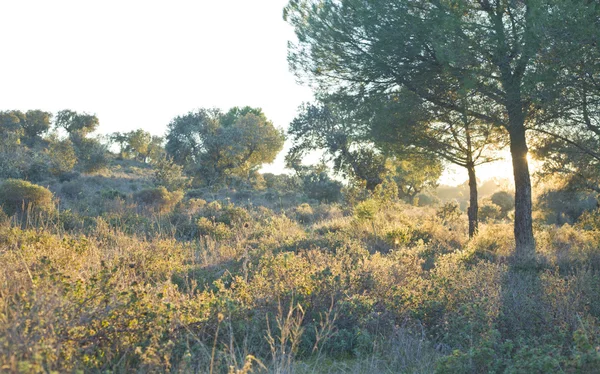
(473,201)
(525,244)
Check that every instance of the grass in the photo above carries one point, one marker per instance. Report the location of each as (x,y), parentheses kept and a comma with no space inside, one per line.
(223,286)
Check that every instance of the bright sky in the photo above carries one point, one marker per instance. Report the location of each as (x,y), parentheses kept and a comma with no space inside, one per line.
(138,64)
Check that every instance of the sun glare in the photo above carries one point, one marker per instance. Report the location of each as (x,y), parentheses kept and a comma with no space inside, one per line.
(500,169)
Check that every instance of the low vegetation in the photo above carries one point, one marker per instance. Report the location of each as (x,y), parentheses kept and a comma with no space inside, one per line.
(127,276)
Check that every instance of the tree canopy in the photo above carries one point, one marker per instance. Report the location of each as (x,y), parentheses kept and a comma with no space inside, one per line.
(498,53)
(212,144)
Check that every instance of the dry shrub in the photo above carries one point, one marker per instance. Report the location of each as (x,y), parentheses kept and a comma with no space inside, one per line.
(18,195)
(159,198)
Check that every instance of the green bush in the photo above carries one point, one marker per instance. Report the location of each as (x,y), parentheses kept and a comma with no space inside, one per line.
(113,194)
(321,187)
(304,213)
(62,157)
(159,198)
(449,212)
(425,199)
(489,212)
(505,200)
(16,194)
(366,210)
(217,230)
(72,189)
(170,175)
(91,155)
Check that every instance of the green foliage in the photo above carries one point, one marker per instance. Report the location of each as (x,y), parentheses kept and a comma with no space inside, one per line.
(414,175)
(21,196)
(320,186)
(170,175)
(159,198)
(449,212)
(489,212)
(505,200)
(213,145)
(91,155)
(216,230)
(76,123)
(304,213)
(282,183)
(564,205)
(62,156)
(366,210)
(139,144)
(426,199)
(139,141)
(72,189)
(336,129)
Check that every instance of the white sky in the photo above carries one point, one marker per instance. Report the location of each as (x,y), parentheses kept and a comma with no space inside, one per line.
(138,64)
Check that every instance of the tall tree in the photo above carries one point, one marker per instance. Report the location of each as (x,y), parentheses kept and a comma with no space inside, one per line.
(493,49)
(404,120)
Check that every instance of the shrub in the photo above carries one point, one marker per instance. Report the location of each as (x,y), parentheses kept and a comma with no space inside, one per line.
(425,199)
(386,190)
(449,212)
(69,176)
(159,198)
(16,194)
(170,175)
(321,187)
(282,182)
(366,210)
(91,155)
(113,194)
(400,236)
(38,170)
(62,157)
(193,206)
(217,230)
(304,213)
(504,200)
(72,189)
(232,215)
(194,193)
(489,212)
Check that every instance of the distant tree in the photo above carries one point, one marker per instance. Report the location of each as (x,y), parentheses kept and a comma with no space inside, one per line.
(344,138)
(91,154)
(170,175)
(75,123)
(36,124)
(139,143)
(61,155)
(504,200)
(122,140)
(156,150)
(318,185)
(405,121)
(415,174)
(11,126)
(213,145)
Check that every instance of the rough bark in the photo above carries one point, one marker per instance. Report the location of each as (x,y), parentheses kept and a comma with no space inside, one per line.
(473,201)
(525,244)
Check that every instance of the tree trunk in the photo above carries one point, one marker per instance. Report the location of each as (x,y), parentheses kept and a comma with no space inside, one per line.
(473,201)
(525,244)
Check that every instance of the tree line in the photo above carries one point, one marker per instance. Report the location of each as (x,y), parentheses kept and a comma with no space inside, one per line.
(454,78)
